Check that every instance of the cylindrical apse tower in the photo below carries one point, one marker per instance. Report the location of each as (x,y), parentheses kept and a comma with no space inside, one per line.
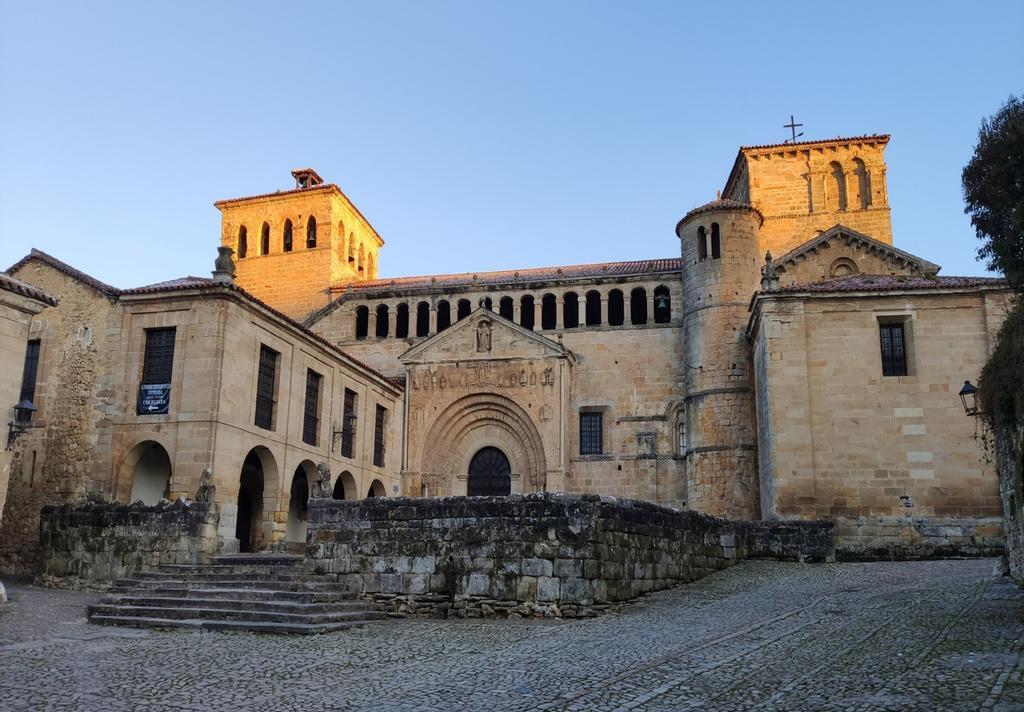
(721,270)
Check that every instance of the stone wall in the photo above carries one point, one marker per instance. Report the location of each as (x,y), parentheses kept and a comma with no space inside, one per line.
(538,554)
(102,542)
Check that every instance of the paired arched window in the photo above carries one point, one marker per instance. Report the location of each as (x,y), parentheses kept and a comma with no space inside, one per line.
(526,312)
(662,305)
(402,321)
(593,308)
(243,242)
(444,315)
(286,238)
(422,319)
(570,310)
(616,308)
(311,232)
(383,321)
(702,243)
(506,308)
(863,183)
(638,306)
(463,309)
(716,242)
(840,184)
(362,322)
(548,312)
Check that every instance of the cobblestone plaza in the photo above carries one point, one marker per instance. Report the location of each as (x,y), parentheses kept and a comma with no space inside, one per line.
(922,635)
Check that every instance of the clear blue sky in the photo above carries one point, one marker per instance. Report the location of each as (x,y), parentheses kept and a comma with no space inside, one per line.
(473,135)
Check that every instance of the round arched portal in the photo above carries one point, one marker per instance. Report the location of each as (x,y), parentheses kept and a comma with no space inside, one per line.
(490,474)
(298,502)
(473,423)
(376,489)
(345,487)
(151,472)
(257,480)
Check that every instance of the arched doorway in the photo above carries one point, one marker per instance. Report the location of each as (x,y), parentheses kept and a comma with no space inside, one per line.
(151,473)
(490,474)
(376,489)
(345,487)
(250,504)
(298,503)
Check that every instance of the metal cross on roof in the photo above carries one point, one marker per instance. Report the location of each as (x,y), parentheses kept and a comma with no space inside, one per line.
(793,126)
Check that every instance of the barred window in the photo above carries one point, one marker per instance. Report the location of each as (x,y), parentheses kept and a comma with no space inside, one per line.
(348,426)
(311,415)
(894,350)
(266,385)
(159,359)
(378,436)
(591,433)
(28,379)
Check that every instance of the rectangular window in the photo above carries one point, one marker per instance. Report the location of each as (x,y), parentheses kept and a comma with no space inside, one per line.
(311,415)
(378,436)
(591,434)
(348,425)
(266,386)
(28,379)
(159,358)
(894,349)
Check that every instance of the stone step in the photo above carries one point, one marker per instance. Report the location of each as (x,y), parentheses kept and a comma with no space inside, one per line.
(258,560)
(291,584)
(233,603)
(270,573)
(237,626)
(253,594)
(232,614)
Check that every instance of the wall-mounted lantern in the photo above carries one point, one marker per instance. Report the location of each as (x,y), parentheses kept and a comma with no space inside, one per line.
(969,398)
(20,425)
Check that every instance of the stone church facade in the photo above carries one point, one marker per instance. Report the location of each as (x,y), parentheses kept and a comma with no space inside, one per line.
(787,361)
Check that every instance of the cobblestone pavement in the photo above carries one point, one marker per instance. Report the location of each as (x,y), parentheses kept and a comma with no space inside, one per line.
(883,636)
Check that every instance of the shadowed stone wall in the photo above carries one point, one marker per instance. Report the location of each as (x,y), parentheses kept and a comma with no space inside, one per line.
(101,542)
(538,554)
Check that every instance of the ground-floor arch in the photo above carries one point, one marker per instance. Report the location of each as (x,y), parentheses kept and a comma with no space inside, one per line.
(345,487)
(257,484)
(376,489)
(490,473)
(150,466)
(298,501)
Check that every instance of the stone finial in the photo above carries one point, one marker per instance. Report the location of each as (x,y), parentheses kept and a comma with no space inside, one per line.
(207,490)
(769,277)
(224,266)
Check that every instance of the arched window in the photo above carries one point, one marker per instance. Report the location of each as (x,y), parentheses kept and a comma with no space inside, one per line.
(548,312)
(702,243)
(506,308)
(371,271)
(526,312)
(243,242)
(662,305)
(840,181)
(616,308)
(402,321)
(362,259)
(265,239)
(593,308)
(638,306)
(464,308)
(716,242)
(383,320)
(444,315)
(311,232)
(843,267)
(488,304)
(570,310)
(352,250)
(286,239)
(422,319)
(863,183)
(362,322)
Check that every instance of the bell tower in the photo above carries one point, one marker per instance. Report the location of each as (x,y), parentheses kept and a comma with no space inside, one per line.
(291,246)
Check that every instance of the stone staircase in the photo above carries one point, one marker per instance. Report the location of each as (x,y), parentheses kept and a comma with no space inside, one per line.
(264,593)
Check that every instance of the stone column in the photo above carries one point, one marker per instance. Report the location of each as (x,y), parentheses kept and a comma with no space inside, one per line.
(517,310)
(371,329)
(627,304)
(538,305)
(433,320)
(650,307)
(604,310)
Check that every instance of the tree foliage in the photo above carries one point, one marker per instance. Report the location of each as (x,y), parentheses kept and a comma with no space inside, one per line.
(993,183)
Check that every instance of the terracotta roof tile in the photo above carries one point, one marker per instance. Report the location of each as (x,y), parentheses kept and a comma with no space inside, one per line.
(276,193)
(838,139)
(721,204)
(64,268)
(890,283)
(12,284)
(522,276)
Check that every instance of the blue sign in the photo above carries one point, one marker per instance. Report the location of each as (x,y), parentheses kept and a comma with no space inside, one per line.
(153,398)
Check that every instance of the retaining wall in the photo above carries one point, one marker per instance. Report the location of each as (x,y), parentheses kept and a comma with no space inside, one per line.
(537,554)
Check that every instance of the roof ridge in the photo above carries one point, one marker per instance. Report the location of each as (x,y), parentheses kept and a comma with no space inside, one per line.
(67,269)
(13,284)
(837,139)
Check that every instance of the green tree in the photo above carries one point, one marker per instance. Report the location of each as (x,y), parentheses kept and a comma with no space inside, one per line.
(993,183)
